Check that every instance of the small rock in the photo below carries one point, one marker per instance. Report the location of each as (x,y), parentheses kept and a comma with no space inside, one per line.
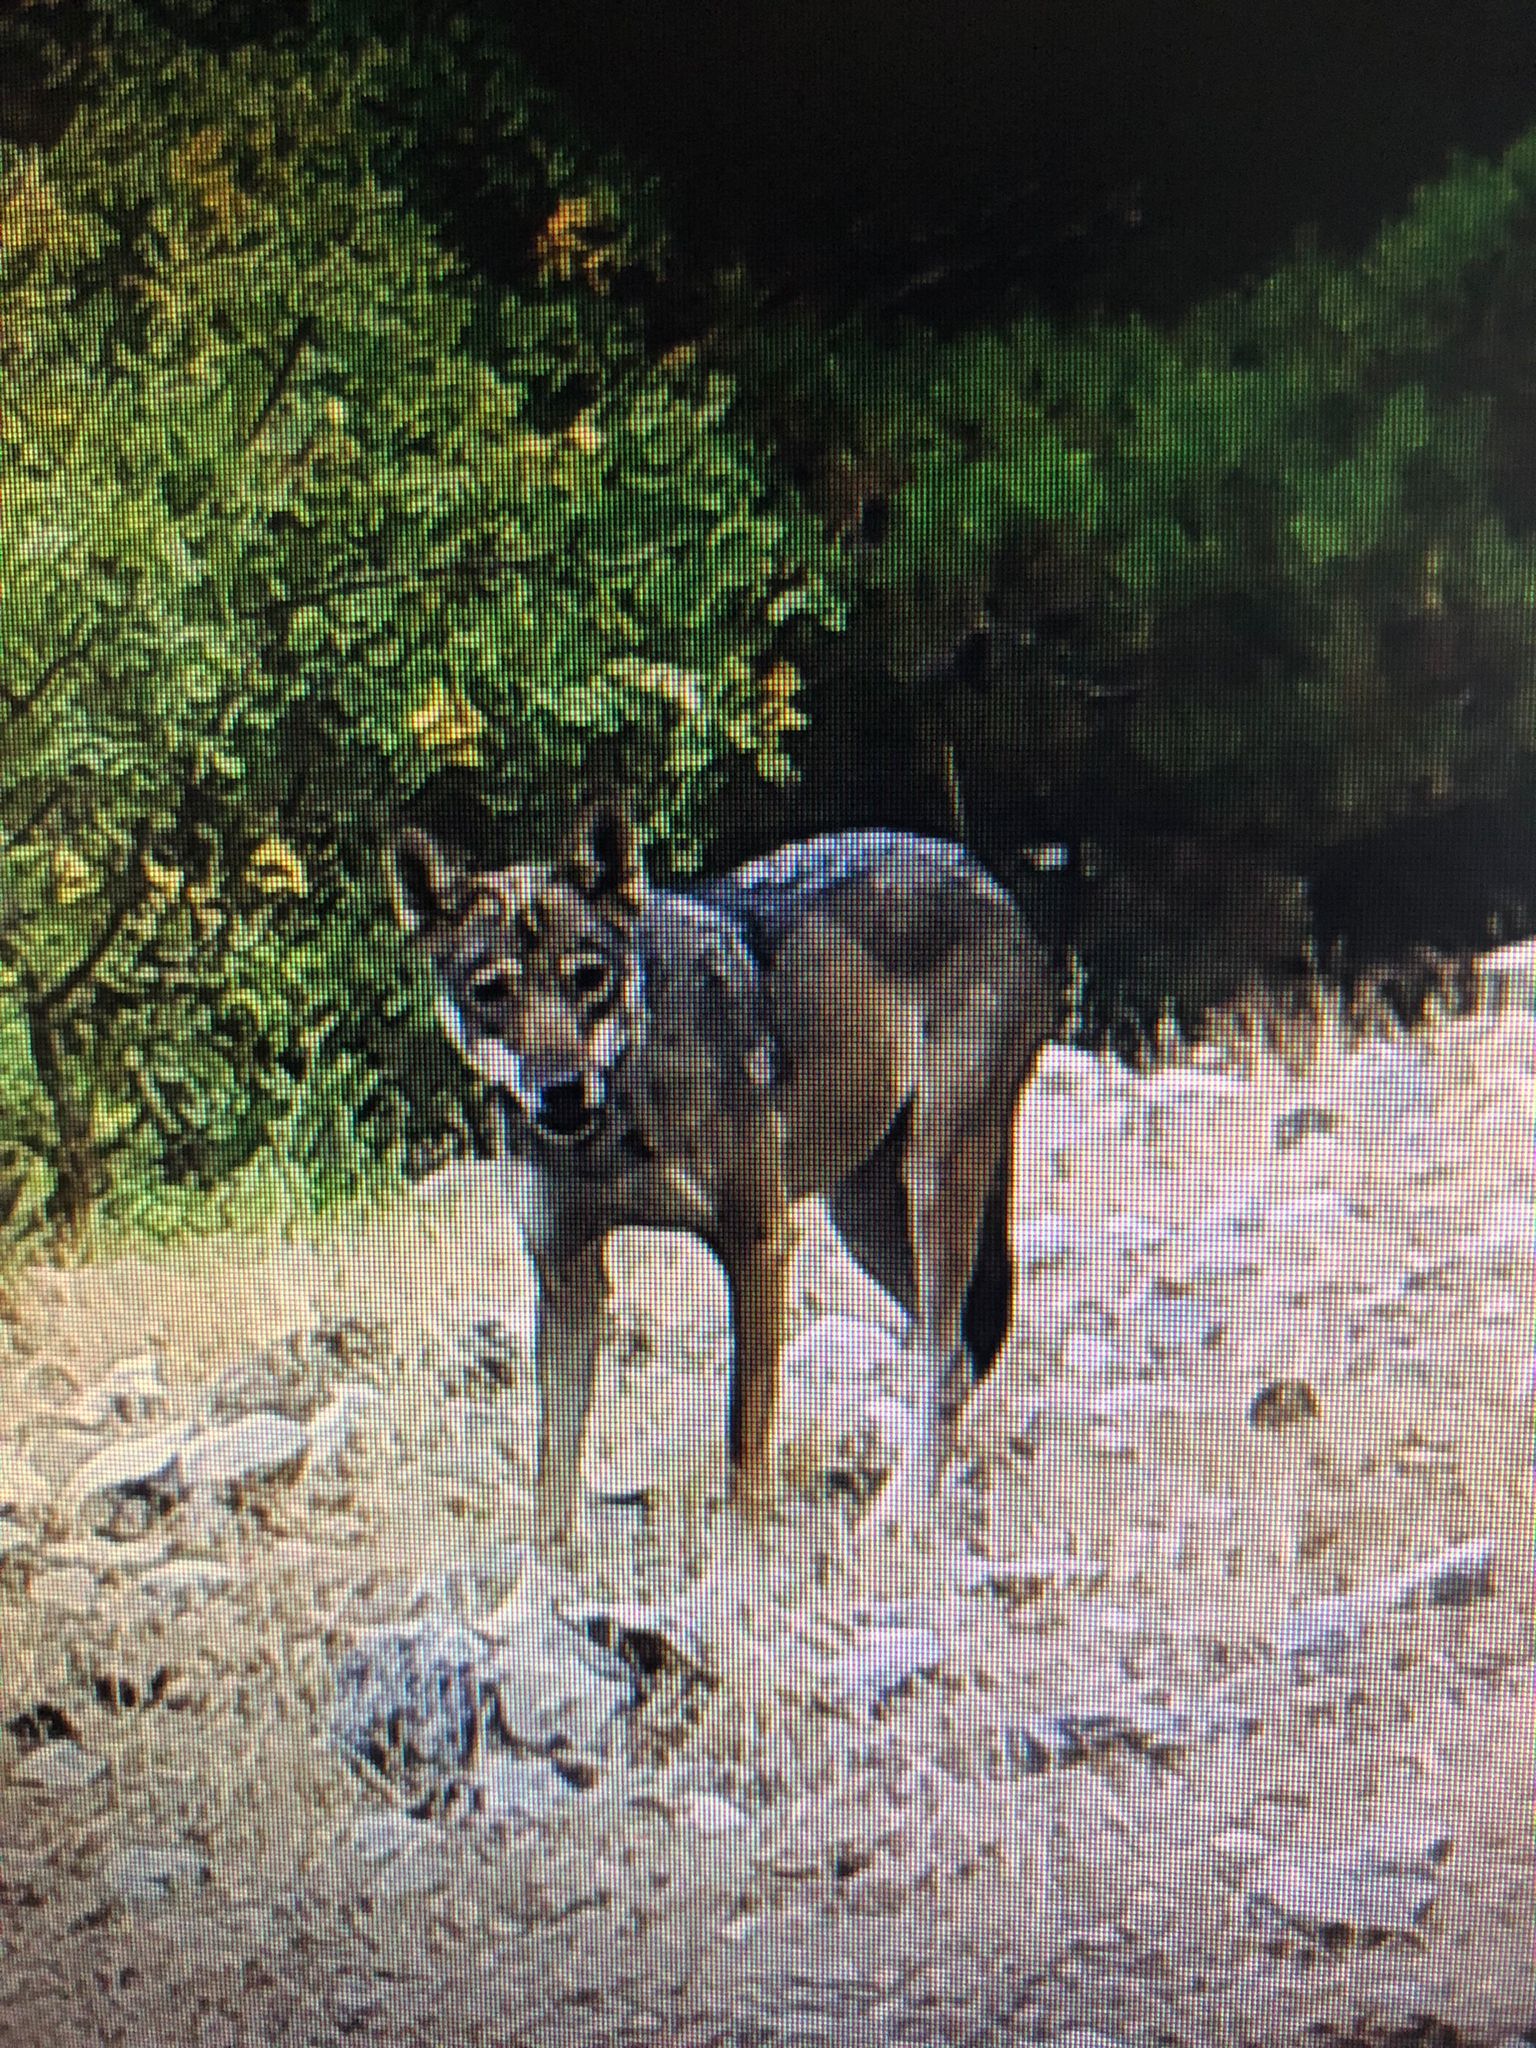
(1453,1579)
(23,1489)
(1306,1120)
(635,1644)
(142,1876)
(1176,1325)
(1027,1577)
(1241,1845)
(1282,1404)
(73,1591)
(1507,977)
(387,1855)
(141,1459)
(256,1447)
(1085,1356)
(1047,856)
(1412,1845)
(380,1837)
(1236,1710)
(494,1349)
(413,1877)
(186,1579)
(551,1691)
(1064,1739)
(872,1439)
(1320,1894)
(332,1427)
(884,1661)
(102,1554)
(132,1391)
(1326,1628)
(1319,1209)
(712,1816)
(522,1788)
(1160,1732)
(1111,1409)
(1029,1746)
(1334,1625)
(61,1767)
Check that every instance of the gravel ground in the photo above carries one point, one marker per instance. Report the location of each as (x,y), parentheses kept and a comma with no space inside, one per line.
(1201,1714)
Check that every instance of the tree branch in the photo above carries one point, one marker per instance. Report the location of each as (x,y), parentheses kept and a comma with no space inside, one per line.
(303,334)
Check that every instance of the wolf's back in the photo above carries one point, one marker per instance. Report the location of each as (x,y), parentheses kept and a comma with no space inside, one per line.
(893,884)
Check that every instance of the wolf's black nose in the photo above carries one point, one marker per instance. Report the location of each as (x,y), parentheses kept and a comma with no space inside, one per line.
(563,1106)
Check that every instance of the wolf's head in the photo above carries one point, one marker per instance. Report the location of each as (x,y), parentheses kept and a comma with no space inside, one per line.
(539,983)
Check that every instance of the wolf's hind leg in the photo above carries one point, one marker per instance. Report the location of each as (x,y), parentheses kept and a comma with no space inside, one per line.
(951,1175)
(573,1294)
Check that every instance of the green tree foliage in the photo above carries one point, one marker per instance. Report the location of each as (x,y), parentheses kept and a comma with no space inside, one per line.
(1261,572)
(290,515)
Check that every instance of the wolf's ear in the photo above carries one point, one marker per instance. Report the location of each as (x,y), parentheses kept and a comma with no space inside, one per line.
(426,882)
(601,854)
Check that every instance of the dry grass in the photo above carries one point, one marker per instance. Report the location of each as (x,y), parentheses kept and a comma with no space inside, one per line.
(1095,1753)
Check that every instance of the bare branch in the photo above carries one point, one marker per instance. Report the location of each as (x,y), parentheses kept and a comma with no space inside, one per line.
(303,334)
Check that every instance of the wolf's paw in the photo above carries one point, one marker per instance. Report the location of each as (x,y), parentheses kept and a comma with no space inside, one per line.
(929,1502)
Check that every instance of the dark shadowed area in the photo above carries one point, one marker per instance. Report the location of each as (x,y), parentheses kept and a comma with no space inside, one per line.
(1142,154)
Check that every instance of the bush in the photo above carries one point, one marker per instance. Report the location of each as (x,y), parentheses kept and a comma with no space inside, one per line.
(292,514)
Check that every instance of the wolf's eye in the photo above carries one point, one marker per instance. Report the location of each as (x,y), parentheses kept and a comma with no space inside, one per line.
(588,977)
(490,987)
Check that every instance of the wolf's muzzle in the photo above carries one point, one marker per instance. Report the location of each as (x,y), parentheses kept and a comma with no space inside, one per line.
(562,1108)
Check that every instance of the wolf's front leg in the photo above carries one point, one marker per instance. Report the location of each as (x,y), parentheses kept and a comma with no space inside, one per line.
(756,1257)
(573,1294)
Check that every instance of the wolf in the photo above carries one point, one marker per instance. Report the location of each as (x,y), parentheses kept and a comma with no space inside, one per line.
(854,1016)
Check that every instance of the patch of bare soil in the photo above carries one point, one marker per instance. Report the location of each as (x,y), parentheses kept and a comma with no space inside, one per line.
(1200,1714)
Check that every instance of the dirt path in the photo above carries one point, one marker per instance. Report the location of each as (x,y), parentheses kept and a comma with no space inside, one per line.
(1204,1716)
